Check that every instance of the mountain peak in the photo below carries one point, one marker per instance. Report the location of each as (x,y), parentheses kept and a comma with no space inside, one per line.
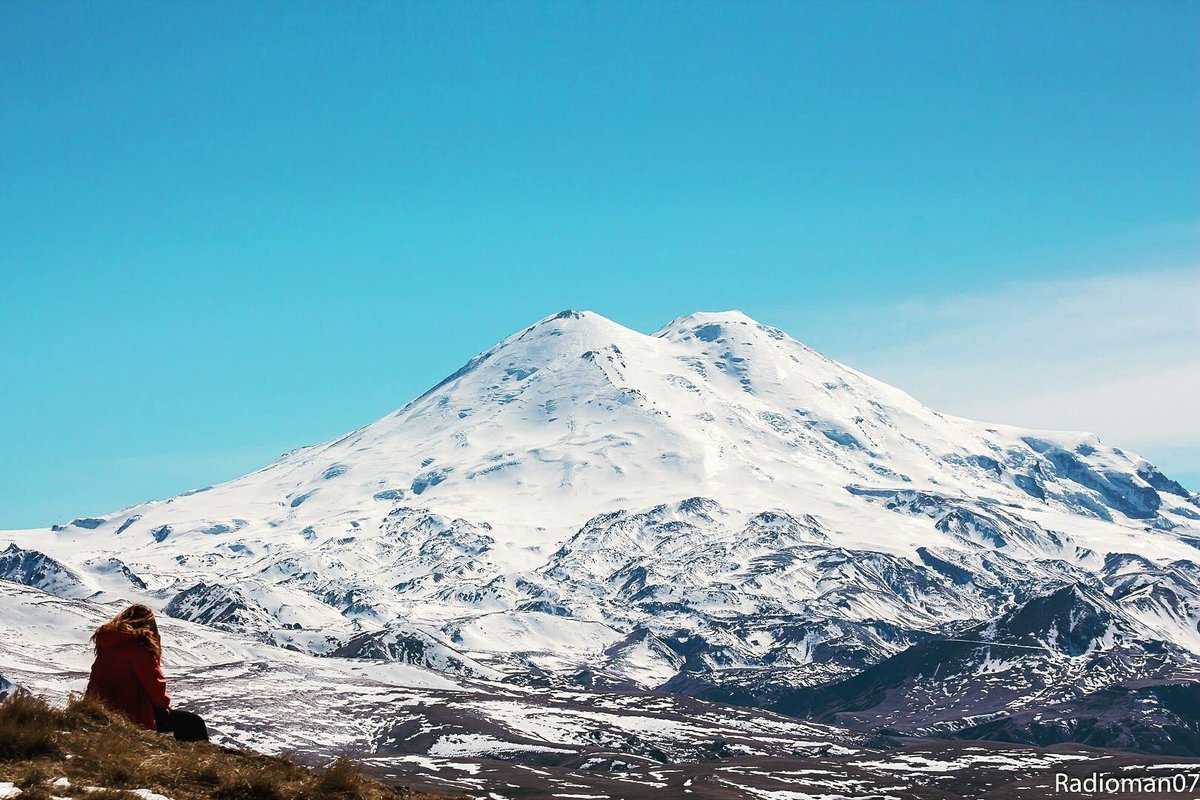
(576,415)
(573,314)
(699,318)
(732,316)
(704,325)
(574,320)
(710,326)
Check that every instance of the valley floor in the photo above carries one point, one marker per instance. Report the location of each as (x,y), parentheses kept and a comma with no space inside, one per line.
(924,771)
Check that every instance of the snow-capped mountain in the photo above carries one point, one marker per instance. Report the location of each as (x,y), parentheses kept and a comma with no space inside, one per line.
(714,509)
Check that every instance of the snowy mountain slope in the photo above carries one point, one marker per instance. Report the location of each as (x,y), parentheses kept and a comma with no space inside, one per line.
(486,739)
(1158,715)
(711,507)
(273,700)
(492,740)
(1052,651)
(577,415)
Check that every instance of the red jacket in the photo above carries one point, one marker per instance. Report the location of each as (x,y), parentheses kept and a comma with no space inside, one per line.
(127,677)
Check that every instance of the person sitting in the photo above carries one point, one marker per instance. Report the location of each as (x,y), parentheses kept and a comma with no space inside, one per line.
(127,676)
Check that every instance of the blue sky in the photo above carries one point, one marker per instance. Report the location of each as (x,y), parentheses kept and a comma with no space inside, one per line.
(230,229)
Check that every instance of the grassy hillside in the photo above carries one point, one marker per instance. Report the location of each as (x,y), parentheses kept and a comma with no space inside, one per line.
(40,745)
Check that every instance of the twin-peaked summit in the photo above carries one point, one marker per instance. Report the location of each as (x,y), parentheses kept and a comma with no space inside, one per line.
(577,415)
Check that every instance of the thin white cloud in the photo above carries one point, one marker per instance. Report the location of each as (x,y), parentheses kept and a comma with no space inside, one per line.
(1118,355)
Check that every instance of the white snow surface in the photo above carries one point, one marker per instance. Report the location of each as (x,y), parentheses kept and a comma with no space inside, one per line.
(581,482)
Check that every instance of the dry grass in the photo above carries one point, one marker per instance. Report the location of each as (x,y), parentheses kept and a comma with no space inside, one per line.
(91,747)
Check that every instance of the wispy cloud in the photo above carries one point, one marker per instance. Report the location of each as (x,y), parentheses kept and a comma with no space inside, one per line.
(1118,355)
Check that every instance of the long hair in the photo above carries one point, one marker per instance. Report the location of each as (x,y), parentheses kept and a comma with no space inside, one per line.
(137,620)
